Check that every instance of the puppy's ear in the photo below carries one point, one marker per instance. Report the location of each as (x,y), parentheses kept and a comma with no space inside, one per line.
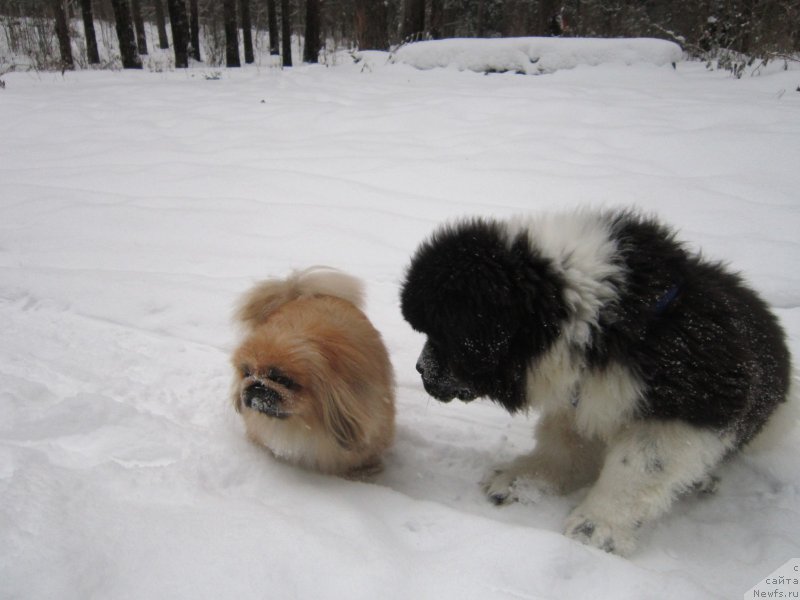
(343,416)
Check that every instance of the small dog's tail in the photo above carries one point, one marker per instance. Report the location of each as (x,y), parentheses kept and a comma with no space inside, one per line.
(261,301)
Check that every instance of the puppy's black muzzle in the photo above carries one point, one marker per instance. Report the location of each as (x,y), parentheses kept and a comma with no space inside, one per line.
(438,382)
(263,399)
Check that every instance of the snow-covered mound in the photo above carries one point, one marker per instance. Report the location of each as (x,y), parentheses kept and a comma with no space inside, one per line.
(535,55)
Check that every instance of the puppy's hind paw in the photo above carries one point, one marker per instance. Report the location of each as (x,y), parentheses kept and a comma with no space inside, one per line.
(601,534)
(507,486)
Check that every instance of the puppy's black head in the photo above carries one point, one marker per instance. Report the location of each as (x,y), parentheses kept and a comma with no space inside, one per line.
(488,304)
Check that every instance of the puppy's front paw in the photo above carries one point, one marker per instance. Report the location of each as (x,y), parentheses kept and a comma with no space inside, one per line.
(507,484)
(594,530)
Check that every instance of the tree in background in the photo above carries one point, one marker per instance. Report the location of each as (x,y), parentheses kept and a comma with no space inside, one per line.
(127,39)
(726,33)
(138,22)
(231,34)
(62,32)
(161,24)
(286,33)
(437,19)
(413,20)
(371,25)
(92,55)
(272,20)
(194,29)
(312,41)
(247,31)
(180,32)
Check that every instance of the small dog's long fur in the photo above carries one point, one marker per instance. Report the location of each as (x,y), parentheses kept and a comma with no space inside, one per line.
(313,381)
(650,365)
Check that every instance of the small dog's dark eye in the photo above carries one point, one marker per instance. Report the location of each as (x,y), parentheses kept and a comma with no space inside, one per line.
(281,378)
(245,370)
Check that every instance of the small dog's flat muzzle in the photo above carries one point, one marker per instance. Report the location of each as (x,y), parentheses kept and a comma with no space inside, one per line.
(265,400)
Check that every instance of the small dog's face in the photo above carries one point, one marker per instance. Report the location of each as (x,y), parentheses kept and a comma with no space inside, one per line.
(268,391)
(270,379)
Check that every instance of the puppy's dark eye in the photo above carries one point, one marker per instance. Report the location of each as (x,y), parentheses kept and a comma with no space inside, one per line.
(245,371)
(281,378)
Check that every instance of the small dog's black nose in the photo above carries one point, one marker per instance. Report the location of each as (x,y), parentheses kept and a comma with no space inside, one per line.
(420,367)
(263,399)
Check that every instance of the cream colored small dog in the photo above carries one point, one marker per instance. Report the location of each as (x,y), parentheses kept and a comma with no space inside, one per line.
(313,381)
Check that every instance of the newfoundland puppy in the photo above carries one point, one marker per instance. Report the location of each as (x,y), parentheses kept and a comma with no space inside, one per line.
(648,363)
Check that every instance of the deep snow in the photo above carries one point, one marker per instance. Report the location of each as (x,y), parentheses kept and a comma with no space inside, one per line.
(137,206)
(535,55)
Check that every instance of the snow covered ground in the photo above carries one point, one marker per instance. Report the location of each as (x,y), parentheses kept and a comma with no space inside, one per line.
(535,55)
(136,207)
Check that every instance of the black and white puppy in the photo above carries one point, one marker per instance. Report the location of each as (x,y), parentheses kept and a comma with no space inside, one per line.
(650,365)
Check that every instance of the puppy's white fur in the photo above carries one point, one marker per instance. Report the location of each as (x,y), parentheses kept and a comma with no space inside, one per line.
(588,431)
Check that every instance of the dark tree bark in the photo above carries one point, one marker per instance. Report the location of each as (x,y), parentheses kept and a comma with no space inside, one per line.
(312,43)
(125,34)
(231,34)
(437,19)
(286,33)
(194,29)
(247,31)
(180,32)
(62,32)
(161,25)
(371,25)
(481,28)
(413,20)
(138,22)
(274,36)
(92,55)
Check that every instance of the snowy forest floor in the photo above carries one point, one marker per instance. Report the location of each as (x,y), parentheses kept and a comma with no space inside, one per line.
(136,207)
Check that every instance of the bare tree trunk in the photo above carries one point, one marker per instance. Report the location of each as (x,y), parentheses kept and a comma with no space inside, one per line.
(312,45)
(161,25)
(127,39)
(180,32)
(62,31)
(247,33)
(481,29)
(437,19)
(371,25)
(272,18)
(92,54)
(286,33)
(138,22)
(231,34)
(194,29)
(413,19)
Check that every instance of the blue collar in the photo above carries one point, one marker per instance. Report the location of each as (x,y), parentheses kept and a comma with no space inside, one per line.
(667,299)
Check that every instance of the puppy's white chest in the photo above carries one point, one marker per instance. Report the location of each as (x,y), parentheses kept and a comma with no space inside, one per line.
(603,401)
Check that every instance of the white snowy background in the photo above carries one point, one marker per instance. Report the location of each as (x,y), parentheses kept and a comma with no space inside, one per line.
(137,206)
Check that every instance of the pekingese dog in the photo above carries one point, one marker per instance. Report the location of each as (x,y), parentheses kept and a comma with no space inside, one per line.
(649,364)
(313,381)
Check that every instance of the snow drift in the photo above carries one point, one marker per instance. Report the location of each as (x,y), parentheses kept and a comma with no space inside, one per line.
(535,55)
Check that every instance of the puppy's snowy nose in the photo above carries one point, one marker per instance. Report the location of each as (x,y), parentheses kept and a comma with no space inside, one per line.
(263,399)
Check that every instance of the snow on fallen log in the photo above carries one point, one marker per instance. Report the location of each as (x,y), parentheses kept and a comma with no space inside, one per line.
(535,55)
